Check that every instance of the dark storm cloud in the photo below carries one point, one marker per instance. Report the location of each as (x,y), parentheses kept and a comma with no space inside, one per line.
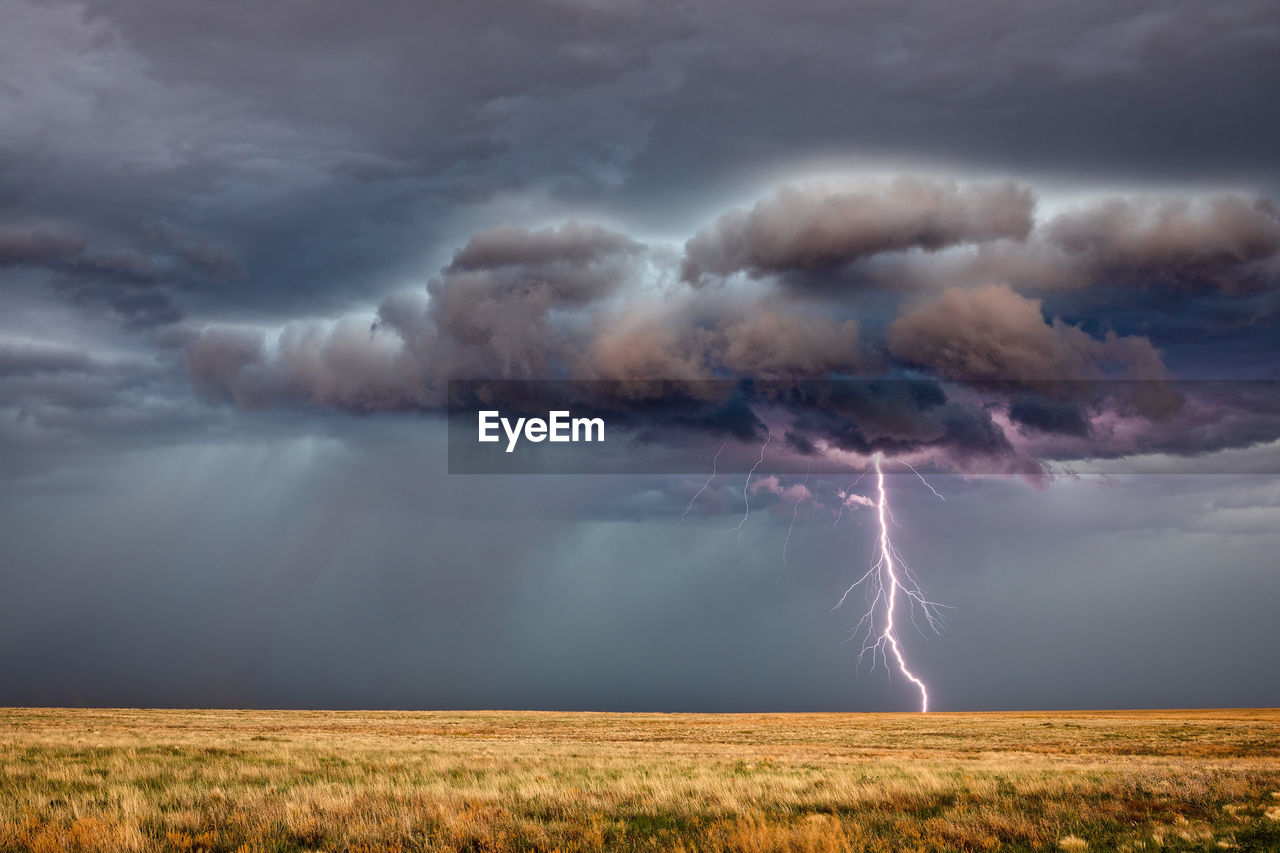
(888,417)
(198,254)
(136,283)
(328,151)
(1046,415)
(1183,420)
(485,51)
(57,387)
(1140,91)
(63,407)
(318,144)
(579,301)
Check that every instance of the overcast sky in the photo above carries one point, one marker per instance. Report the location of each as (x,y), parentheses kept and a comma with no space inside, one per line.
(244,247)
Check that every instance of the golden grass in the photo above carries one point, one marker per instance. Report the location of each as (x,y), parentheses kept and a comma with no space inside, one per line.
(108,780)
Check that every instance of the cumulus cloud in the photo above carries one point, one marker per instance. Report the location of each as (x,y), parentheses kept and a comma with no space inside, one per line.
(647,341)
(792,493)
(772,344)
(516,303)
(993,333)
(1226,243)
(492,309)
(1003,384)
(691,339)
(572,244)
(815,227)
(491,313)
(219,361)
(851,500)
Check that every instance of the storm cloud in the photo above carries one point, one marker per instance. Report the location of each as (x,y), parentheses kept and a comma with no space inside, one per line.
(580,301)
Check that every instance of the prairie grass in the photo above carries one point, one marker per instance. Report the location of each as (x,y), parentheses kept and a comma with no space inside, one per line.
(130,780)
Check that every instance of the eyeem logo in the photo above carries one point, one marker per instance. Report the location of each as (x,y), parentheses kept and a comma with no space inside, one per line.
(559,426)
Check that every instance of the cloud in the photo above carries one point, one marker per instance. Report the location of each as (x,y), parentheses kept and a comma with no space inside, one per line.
(32,358)
(1046,415)
(851,499)
(571,245)
(694,339)
(792,494)
(137,283)
(492,306)
(1224,243)
(197,254)
(516,303)
(815,228)
(992,333)
(488,314)
(646,341)
(219,361)
(1002,385)
(769,343)
(894,417)
(61,402)
(37,246)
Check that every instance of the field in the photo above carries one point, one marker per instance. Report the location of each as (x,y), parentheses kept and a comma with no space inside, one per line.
(360,781)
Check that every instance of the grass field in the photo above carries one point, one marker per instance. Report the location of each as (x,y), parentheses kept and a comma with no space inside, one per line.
(356,781)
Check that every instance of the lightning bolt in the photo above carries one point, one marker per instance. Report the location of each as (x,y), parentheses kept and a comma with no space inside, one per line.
(795,511)
(888,580)
(921,476)
(714,460)
(746,500)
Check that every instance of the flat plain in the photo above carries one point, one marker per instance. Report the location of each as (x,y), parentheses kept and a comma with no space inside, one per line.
(192,780)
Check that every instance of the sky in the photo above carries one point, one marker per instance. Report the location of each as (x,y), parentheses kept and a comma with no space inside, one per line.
(1031,249)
